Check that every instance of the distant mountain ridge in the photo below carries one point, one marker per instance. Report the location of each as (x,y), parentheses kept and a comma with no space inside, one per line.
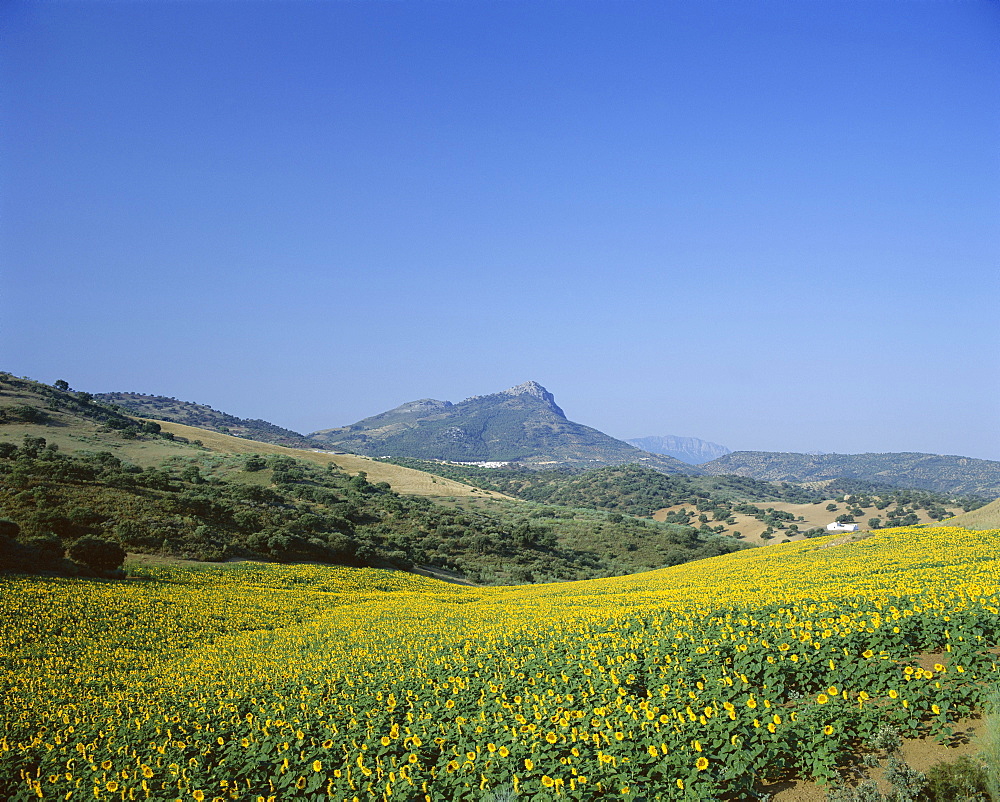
(686,449)
(522,424)
(161,407)
(940,473)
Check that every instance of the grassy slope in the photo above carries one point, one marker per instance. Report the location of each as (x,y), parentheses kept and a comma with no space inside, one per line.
(403,480)
(632,489)
(205,417)
(987,517)
(73,432)
(489,537)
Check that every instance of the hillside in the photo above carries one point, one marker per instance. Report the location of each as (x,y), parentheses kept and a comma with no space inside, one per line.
(633,489)
(751,510)
(944,474)
(78,423)
(986,517)
(159,407)
(522,425)
(686,449)
(72,467)
(406,481)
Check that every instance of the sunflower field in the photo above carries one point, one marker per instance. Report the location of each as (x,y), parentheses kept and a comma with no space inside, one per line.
(698,682)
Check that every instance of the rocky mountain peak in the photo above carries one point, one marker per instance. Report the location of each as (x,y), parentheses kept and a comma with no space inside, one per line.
(535,390)
(530,388)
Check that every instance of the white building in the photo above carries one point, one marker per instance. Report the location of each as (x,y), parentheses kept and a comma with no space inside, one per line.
(838,527)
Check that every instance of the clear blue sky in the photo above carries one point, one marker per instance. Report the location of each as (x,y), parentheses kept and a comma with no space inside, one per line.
(774,225)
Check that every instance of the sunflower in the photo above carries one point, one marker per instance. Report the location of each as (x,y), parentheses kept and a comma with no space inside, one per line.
(702,763)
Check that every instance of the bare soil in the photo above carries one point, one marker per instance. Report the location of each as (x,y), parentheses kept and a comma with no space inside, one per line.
(920,753)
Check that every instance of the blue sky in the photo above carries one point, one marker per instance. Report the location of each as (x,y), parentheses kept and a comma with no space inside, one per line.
(774,225)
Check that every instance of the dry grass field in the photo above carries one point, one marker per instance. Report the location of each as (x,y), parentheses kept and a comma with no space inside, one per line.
(403,480)
(72,433)
(987,517)
(813,514)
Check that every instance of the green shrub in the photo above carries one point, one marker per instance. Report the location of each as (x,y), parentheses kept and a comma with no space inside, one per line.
(44,552)
(962,780)
(97,554)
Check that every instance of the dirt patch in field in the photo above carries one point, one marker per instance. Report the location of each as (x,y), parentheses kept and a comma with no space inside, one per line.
(843,540)
(919,753)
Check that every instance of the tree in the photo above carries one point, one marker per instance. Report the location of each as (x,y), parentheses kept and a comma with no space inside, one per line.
(32,445)
(192,474)
(62,384)
(255,462)
(44,551)
(9,530)
(97,554)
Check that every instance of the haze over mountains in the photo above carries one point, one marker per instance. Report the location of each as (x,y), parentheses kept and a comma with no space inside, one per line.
(686,449)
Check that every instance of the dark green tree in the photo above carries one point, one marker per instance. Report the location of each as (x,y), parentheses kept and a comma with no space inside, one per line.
(32,445)
(255,462)
(97,554)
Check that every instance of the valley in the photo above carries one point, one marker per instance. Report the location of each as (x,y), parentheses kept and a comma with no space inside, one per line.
(280,608)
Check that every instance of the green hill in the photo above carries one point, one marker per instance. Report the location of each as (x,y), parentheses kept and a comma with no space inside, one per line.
(632,489)
(521,425)
(66,471)
(944,474)
(161,407)
(986,517)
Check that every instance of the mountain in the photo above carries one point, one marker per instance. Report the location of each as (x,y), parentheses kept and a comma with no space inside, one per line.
(686,449)
(523,425)
(944,474)
(204,417)
(73,467)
